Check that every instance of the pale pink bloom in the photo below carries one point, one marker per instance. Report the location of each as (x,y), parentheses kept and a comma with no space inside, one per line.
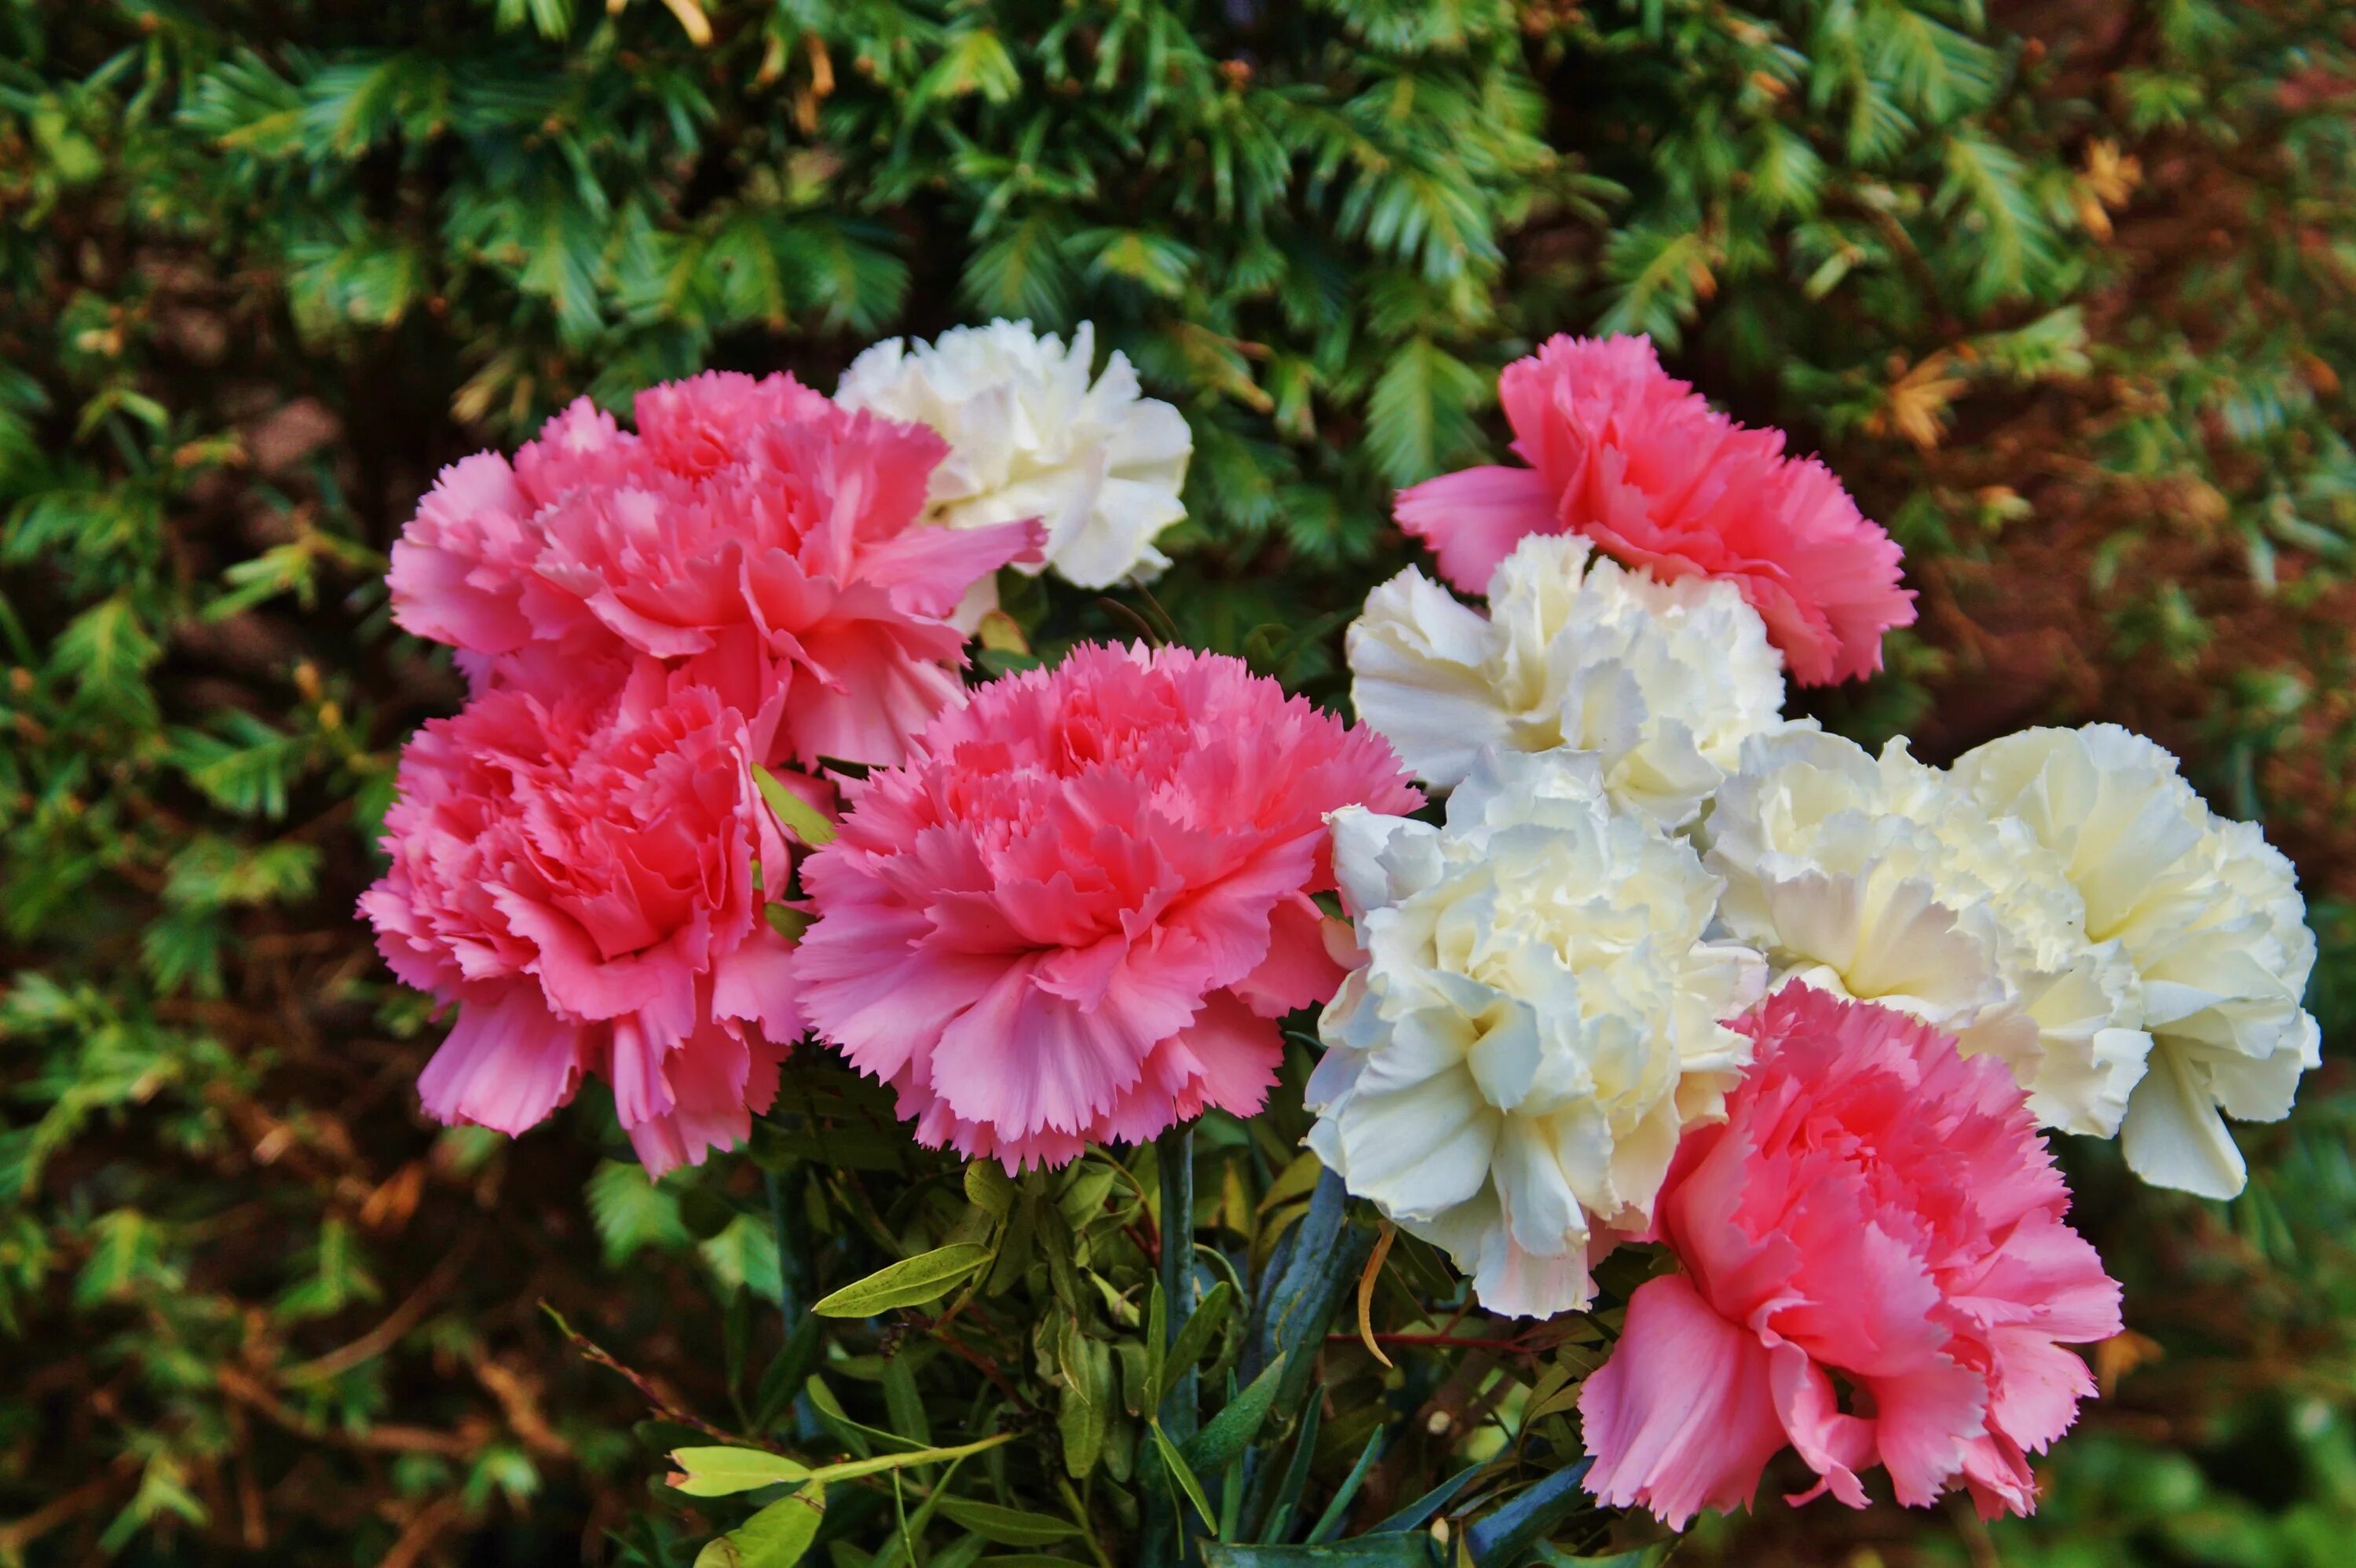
(1637,461)
(749,533)
(1076,912)
(574,865)
(1874,1206)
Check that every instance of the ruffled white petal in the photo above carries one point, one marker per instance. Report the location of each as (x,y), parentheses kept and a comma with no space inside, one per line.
(1661,682)
(2205,911)
(1536,1015)
(1031,435)
(1888,880)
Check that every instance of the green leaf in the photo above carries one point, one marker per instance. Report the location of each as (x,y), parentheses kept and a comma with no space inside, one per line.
(975,61)
(1423,411)
(794,813)
(905,1401)
(774,1538)
(1194,1339)
(1417,1514)
(1175,1465)
(1084,1414)
(631,1212)
(851,1469)
(1415,1551)
(1230,1432)
(1008,1526)
(911,1282)
(720,1472)
(1338,1509)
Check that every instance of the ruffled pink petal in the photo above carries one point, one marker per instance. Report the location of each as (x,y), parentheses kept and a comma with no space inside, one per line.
(928,571)
(1023,1060)
(1299,970)
(1876,1209)
(1681,1416)
(1030,928)
(755,984)
(1836,1446)
(506,1064)
(458,570)
(713,1086)
(1638,461)
(1472,520)
(1924,1419)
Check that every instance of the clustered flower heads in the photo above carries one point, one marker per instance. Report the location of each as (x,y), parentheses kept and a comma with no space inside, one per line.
(646,616)
(1887,881)
(1074,904)
(752,534)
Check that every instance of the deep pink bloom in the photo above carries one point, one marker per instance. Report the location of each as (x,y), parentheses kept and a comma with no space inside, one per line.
(1638,461)
(749,533)
(1078,909)
(1875,1207)
(574,864)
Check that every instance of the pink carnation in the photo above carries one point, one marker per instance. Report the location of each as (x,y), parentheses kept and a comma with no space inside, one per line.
(1076,911)
(574,864)
(1874,1206)
(1638,461)
(750,533)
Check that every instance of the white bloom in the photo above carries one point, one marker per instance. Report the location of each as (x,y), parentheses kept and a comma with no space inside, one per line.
(1662,681)
(1031,436)
(1536,1020)
(1886,880)
(2208,912)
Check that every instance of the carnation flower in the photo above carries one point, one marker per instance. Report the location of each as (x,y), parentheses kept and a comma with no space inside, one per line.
(574,865)
(1535,1020)
(750,534)
(1662,681)
(1076,911)
(1874,1206)
(2209,914)
(1031,436)
(1640,463)
(1886,880)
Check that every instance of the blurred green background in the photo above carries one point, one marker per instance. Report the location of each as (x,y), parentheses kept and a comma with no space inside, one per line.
(2065,290)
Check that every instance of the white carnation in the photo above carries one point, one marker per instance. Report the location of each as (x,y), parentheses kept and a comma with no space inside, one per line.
(1884,880)
(2208,912)
(1031,436)
(1535,1020)
(1662,681)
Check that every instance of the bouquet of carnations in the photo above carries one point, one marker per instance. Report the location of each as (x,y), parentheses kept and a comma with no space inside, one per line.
(1507,1124)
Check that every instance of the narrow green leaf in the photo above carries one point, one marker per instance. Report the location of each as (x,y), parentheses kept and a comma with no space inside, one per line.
(794,813)
(721,1472)
(1419,1512)
(851,1469)
(911,1282)
(1331,1519)
(1174,1463)
(1194,1339)
(1008,1526)
(1364,1552)
(1231,1431)
(774,1538)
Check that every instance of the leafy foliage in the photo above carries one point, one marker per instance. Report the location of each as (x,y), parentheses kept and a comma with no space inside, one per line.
(2063,286)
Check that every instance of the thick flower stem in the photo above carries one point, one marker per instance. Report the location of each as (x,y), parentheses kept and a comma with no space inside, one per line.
(1168,1525)
(1175,1155)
